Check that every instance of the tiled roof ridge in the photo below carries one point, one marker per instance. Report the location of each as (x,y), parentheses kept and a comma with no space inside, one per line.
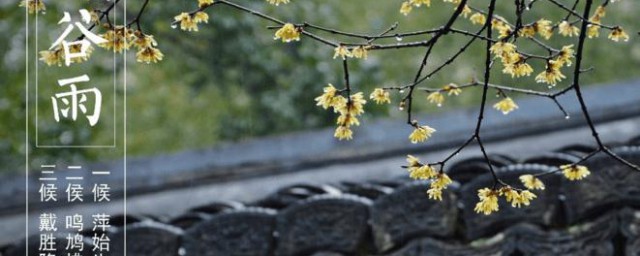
(595,216)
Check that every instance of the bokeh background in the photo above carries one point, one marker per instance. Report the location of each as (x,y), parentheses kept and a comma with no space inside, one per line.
(231,81)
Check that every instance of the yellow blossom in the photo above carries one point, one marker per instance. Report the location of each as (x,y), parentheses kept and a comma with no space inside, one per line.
(200,17)
(516,66)
(506,105)
(327,99)
(552,74)
(52,57)
(95,16)
(435,194)
(527,31)
(567,29)
(436,98)
(186,22)
(118,38)
(517,198)
(341,51)
(488,201)
(288,33)
(278,2)
(478,18)
(525,198)
(544,28)
(418,3)
(338,102)
(33,6)
(504,31)
(618,34)
(452,89)
(413,161)
(600,12)
(343,133)
(142,41)
(510,194)
(355,105)
(380,96)
(347,120)
(422,172)
(77,48)
(56,56)
(503,28)
(421,134)
(595,20)
(575,172)
(531,182)
(565,55)
(503,48)
(360,52)
(593,31)
(441,181)
(466,11)
(149,54)
(406,8)
(204,3)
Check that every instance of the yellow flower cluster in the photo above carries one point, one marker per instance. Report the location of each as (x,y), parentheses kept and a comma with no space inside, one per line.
(407,6)
(542,27)
(478,18)
(33,6)
(517,198)
(503,28)
(531,182)
(52,57)
(358,52)
(551,75)
(574,172)
(56,56)
(568,29)
(465,11)
(545,28)
(452,89)
(437,97)
(438,183)
(147,48)
(618,34)
(349,110)
(514,63)
(122,38)
(565,55)
(119,38)
(593,29)
(288,33)
(505,106)
(204,3)
(421,133)
(278,2)
(361,52)
(189,22)
(342,51)
(380,96)
(489,199)
(419,171)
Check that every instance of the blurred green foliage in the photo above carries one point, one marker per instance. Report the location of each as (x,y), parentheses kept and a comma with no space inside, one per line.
(231,81)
